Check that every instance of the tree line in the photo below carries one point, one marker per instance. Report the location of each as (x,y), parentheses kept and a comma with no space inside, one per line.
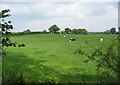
(54,29)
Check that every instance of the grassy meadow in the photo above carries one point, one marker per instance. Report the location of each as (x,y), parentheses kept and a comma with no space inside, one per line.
(51,58)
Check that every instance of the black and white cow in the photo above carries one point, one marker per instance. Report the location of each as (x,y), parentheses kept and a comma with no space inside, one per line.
(72,40)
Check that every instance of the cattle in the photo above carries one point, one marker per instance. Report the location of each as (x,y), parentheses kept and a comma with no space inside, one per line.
(72,40)
(101,39)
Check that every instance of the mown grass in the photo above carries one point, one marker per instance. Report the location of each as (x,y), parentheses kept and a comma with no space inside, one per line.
(51,58)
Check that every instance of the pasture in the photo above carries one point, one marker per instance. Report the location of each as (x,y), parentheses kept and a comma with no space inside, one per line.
(51,58)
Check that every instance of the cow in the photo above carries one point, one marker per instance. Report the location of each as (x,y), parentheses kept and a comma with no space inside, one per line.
(101,39)
(72,40)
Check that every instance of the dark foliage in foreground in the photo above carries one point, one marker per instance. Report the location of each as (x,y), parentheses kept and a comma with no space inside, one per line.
(107,61)
(12,77)
(5,27)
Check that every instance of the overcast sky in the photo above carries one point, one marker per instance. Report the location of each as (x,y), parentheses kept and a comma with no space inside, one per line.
(37,16)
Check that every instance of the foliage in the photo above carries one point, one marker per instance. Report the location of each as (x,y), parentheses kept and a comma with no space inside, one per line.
(67,30)
(62,32)
(96,33)
(17,33)
(22,33)
(44,30)
(12,77)
(79,31)
(27,31)
(5,27)
(75,31)
(38,32)
(82,31)
(54,29)
(113,30)
(107,32)
(106,59)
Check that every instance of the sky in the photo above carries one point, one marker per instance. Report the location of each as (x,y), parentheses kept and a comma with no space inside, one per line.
(95,16)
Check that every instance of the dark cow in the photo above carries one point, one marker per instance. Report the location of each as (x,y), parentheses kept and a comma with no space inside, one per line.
(72,40)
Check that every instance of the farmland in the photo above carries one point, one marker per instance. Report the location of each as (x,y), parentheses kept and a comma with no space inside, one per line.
(51,58)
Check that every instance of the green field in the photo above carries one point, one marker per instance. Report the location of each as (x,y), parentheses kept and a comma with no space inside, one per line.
(51,58)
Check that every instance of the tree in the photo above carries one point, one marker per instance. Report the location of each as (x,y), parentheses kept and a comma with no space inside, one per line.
(44,31)
(75,31)
(83,31)
(113,30)
(80,31)
(27,31)
(107,32)
(67,30)
(54,29)
(5,27)
(62,32)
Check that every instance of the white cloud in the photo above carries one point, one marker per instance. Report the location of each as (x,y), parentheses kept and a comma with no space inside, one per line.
(70,10)
(63,10)
(17,9)
(3,6)
(40,6)
(59,0)
(73,15)
(112,11)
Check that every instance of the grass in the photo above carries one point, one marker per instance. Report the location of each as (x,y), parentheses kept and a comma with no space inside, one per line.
(51,58)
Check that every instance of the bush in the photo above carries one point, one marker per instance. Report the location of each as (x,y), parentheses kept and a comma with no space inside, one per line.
(107,61)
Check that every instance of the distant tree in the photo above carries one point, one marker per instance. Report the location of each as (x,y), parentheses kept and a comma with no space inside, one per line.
(80,31)
(27,31)
(67,30)
(107,32)
(62,32)
(54,29)
(113,30)
(75,31)
(84,31)
(44,31)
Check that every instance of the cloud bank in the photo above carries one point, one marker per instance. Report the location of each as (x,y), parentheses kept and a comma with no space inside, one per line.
(93,16)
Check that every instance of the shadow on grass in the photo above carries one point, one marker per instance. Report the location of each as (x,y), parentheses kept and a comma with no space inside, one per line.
(19,64)
(34,71)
